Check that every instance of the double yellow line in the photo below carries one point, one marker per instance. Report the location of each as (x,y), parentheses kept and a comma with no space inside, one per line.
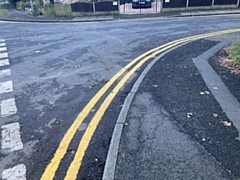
(74,167)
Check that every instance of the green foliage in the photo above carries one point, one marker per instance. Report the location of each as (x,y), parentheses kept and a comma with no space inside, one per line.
(235,52)
(4,12)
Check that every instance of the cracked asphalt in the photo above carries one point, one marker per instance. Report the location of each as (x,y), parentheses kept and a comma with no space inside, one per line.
(57,68)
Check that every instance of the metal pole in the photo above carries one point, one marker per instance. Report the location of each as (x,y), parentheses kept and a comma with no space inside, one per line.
(156,4)
(32,9)
(212,3)
(94,11)
(238,3)
(119,6)
(187,3)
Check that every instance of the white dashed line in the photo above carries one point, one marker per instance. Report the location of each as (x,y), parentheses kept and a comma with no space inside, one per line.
(5,73)
(3,55)
(11,139)
(6,87)
(4,62)
(8,107)
(3,49)
(10,134)
(16,173)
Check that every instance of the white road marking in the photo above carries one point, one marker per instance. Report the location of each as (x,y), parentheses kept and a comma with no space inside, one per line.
(5,73)
(3,55)
(3,49)
(6,87)
(11,139)
(2,44)
(8,107)
(16,173)
(10,135)
(4,62)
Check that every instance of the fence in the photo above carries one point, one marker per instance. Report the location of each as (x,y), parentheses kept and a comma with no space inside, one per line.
(78,9)
(199,3)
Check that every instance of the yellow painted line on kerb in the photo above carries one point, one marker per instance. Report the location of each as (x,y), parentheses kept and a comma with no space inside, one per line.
(50,171)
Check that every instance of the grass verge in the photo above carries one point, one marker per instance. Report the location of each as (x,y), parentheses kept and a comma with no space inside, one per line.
(4,12)
(235,52)
(232,60)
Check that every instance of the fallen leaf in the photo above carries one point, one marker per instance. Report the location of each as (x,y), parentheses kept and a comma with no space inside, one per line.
(207,92)
(77,66)
(226,123)
(91,85)
(215,115)
(109,67)
(104,81)
(189,115)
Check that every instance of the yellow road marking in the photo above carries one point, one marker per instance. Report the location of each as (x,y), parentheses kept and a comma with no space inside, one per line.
(76,163)
(60,152)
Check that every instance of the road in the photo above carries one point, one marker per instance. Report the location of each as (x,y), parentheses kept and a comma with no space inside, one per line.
(54,71)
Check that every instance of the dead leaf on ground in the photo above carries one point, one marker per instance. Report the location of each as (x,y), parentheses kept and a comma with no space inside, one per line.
(91,85)
(72,152)
(189,115)
(215,115)
(207,92)
(109,67)
(104,81)
(31,83)
(226,123)
(204,92)
(77,66)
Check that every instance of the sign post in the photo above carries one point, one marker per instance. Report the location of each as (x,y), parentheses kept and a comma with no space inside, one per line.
(187,3)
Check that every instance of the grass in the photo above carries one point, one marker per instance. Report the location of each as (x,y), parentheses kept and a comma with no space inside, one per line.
(232,60)
(4,12)
(235,52)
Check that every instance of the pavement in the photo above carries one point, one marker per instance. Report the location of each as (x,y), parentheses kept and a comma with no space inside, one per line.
(172,123)
(18,16)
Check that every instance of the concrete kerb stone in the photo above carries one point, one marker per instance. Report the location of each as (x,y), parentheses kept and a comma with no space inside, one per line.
(110,166)
(224,97)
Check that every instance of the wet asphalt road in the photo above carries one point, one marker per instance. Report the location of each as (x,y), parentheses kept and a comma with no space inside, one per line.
(57,68)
